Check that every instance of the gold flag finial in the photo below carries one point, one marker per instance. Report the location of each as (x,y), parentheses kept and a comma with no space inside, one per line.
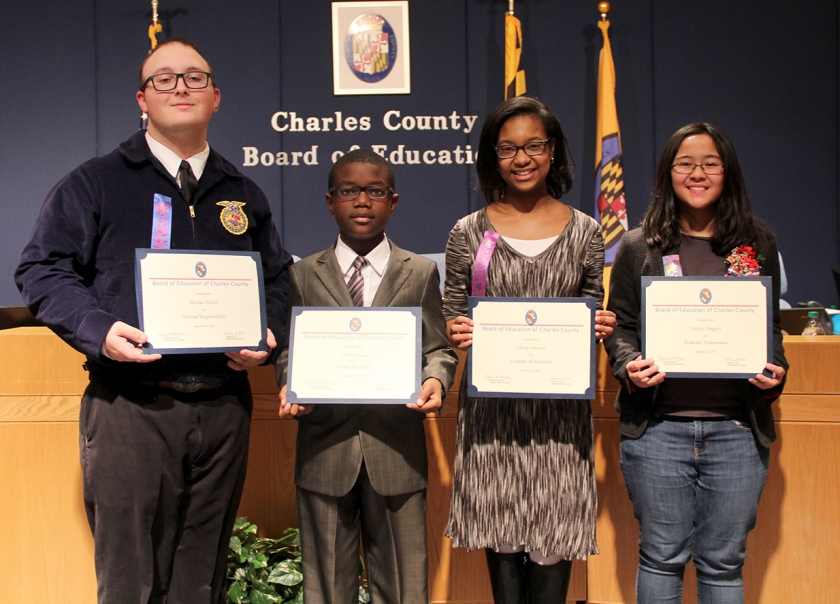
(155,28)
(603,8)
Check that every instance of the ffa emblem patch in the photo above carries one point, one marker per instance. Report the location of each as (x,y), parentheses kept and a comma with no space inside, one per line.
(200,269)
(355,324)
(705,295)
(232,217)
(370,48)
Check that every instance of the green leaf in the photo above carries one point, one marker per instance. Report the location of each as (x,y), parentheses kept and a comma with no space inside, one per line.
(258,597)
(259,561)
(235,544)
(298,599)
(235,593)
(286,573)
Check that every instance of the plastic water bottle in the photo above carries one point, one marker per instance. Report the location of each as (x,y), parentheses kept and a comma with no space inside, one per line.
(813,327)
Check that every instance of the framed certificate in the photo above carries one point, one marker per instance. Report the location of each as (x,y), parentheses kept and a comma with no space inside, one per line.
(532,348)
(354,355)
(707,326)
(200,301)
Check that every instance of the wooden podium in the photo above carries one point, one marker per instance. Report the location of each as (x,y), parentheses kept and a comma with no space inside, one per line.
(47,552)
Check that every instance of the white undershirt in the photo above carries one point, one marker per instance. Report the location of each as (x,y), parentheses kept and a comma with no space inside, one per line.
(530,247)
(172,162)
(372,273)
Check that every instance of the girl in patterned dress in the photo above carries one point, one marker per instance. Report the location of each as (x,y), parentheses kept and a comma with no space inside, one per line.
(524,484)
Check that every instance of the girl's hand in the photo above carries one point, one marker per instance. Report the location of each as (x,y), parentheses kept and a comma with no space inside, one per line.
(764,382)
(459,331)
(605,323)
(644,373)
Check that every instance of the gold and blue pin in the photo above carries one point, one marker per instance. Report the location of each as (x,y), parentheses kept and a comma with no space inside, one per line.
(232,217)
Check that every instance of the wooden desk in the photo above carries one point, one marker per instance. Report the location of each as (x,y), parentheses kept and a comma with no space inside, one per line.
(48,551)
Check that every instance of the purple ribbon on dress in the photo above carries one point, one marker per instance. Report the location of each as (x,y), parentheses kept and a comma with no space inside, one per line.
(482,262)
(162,222)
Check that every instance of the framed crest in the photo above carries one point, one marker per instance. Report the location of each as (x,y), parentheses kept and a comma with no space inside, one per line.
(371,48)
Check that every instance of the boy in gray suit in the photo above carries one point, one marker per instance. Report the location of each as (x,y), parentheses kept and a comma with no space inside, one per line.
(362,468)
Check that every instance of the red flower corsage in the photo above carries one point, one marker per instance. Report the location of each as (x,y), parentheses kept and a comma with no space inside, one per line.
(743,261)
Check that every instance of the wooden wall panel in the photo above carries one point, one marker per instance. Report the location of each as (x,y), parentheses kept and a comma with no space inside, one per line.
(791,551)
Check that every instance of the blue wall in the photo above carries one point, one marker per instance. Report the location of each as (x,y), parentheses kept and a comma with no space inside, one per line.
(768,75)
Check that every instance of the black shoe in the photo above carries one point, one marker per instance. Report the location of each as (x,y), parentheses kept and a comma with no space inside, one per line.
(548,584)
(507,576)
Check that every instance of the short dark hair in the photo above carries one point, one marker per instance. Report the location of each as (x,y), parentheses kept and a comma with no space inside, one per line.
(734,222)
(362,156)
(183,43)
(561,172)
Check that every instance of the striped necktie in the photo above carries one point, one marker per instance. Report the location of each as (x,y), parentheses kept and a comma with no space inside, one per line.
(356,285)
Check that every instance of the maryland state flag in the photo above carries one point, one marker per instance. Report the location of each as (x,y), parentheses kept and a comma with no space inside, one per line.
(514,77)
(610,209)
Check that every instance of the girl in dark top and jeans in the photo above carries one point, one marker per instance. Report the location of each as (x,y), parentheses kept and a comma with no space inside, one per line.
(694,452)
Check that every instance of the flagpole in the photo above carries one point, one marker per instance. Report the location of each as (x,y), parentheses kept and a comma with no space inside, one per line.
(610,202)
(514,74)
(154,29)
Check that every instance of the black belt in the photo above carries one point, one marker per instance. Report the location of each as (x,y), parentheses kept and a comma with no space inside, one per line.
(186,387)
(687,418)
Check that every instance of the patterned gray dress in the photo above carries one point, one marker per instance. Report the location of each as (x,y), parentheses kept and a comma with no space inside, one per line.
(524,468)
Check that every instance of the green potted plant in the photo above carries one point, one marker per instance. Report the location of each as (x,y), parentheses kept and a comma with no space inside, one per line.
(262,570)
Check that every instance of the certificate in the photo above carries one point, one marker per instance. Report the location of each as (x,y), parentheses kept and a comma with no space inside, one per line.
(707,326)
(532,348)
(354,355)
(200,301)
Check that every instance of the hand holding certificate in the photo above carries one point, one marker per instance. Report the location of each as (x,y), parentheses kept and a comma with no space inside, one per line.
(532,348)
(707,326)
(200,301)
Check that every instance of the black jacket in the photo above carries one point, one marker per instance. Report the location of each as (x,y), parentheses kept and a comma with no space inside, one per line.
(77,272)
(633,260)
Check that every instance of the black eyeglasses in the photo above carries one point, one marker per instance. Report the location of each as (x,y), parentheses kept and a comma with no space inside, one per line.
(164,82)
(686,167)
(351,192)
(533,148)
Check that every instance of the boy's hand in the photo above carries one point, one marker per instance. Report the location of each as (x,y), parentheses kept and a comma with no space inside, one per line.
(430,397)
(291,410)
(240,361)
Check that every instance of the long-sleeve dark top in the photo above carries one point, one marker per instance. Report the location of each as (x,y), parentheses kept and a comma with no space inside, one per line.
(77,272)
(634,259)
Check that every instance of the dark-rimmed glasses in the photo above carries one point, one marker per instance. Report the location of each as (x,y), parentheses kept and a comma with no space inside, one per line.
(164,82)
(533,148)
(686,167)
(351,192)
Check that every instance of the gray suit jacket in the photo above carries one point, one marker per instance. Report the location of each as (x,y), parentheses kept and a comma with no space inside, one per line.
(333,440)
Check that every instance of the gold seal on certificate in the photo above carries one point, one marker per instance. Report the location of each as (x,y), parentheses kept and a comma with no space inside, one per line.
(200,301)
(532,348)
(354,355)
(707,326)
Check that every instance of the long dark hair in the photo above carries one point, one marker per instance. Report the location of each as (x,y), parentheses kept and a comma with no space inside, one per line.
(490,182)
(734,222)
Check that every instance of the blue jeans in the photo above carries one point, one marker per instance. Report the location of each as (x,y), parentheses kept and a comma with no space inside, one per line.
(695,488)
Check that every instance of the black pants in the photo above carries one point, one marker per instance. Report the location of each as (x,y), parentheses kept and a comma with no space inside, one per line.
(163,474)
